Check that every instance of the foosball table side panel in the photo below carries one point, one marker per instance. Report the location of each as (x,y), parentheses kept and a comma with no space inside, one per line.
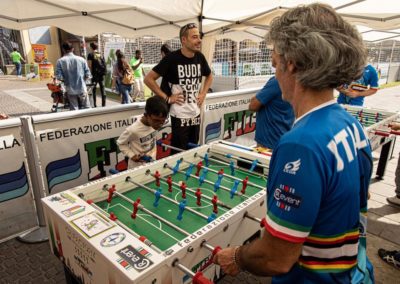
(108,254)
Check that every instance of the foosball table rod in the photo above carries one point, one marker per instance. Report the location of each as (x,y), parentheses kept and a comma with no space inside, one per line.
(211,159)
(206,181)
(386,133)
(229,176)
(129,179)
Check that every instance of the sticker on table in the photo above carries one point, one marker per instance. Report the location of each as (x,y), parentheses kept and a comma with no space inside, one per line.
(112,239)
(92,224)
(73,210)
(130,257)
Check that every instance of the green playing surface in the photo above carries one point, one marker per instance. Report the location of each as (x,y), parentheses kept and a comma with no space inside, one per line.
(164,236)
(367,118)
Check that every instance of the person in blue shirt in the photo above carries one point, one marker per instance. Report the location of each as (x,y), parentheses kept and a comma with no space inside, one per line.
(365,86)
(274,116)
(319,173)
(74,71)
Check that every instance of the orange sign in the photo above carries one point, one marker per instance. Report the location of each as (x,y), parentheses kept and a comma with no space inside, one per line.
(39,53)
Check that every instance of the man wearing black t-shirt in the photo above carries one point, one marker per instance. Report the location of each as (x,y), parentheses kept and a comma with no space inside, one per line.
(95,62)
(182,71)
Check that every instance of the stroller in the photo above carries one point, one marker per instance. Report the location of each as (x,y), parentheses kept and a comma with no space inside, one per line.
(60,100)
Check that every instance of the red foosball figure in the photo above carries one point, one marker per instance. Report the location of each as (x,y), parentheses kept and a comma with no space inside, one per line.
(198,195)
(135,208)
(199,166)
(113,216)
(169,182)
(215,204)
(157,177)
(183,188)
(111,191)
(245,181)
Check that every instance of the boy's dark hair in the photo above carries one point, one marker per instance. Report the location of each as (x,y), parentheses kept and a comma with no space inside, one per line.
(94,46)
(157,106)
(67,46)
(15,49)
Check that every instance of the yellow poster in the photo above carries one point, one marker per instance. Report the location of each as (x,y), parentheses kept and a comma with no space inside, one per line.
(39,53)
(46,71)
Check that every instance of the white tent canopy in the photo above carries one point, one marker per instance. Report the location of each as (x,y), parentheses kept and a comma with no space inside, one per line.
(162,18)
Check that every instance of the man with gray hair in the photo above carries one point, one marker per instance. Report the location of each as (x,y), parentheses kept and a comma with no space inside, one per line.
(320,169)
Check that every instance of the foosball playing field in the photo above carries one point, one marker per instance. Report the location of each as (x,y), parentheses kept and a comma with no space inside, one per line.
(164,221)
(368,118)
(188,199)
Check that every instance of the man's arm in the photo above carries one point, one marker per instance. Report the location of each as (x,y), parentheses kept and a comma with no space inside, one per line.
(86,70)
(204,90)
(267,256)
(59,71)
(150,81)
(355,94)
(134,67)
(255,104)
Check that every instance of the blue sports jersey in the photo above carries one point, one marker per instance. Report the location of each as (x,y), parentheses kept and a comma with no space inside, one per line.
(317,187)
(275,117)
(369,78)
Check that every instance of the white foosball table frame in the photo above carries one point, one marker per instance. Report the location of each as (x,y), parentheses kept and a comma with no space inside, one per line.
(113,254)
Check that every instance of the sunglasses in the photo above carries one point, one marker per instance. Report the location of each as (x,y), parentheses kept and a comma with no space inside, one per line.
(185,28)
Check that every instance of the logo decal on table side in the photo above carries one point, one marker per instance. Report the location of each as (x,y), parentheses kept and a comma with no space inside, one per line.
(130,257)
(112,240)
(73,210)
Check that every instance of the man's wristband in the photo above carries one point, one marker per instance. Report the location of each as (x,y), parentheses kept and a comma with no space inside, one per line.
(236,257)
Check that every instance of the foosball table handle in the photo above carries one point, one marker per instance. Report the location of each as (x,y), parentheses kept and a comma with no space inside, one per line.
(199,278)
(192,145)
(382,133)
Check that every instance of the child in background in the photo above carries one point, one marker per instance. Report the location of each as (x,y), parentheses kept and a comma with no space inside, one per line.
(139,139)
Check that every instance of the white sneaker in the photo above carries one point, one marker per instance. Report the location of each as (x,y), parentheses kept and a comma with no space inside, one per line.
(394,200)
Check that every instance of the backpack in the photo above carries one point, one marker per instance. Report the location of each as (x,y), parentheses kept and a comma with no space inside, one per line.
(128,78)
(99,66)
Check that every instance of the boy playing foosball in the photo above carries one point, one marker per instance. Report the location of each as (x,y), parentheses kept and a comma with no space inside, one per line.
(138,141)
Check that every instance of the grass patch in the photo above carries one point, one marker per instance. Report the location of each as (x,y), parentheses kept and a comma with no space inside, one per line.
(389,85)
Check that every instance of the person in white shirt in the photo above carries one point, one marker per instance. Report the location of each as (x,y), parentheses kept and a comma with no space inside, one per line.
(139,139)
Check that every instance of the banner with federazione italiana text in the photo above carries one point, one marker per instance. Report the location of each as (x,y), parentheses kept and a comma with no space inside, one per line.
(229,119)
(83,147)
(18,213)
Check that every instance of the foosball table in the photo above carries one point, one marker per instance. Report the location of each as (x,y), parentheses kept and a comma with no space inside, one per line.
(161,222)
(377,126)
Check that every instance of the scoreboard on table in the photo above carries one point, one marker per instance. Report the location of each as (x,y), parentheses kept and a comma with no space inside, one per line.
(143,225)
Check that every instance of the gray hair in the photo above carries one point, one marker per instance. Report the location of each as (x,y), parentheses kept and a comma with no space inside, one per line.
(326,50)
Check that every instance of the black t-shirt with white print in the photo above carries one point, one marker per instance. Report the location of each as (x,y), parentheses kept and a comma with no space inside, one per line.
(183,74)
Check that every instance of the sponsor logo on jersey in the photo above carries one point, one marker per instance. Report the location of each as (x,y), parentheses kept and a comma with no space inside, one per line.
(292,167)
(285,197)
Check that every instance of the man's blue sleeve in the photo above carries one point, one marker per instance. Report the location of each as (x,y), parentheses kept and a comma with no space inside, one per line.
(373,77)
(269,92)
(295,189)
